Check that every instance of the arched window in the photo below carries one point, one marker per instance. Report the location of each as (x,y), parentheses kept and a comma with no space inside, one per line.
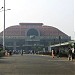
(32,32)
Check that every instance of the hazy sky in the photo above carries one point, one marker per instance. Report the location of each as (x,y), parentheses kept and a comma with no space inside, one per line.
(56,13)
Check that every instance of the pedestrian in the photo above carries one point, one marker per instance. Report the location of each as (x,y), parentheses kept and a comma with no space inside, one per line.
(69,54)
(53,52)
(21,52)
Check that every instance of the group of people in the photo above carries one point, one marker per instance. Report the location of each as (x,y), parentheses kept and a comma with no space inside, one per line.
(70,54)
(8,53)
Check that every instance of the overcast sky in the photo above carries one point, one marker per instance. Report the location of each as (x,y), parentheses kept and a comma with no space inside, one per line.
(56,13)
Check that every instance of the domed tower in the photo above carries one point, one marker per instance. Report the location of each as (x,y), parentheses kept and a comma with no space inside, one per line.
(27,36)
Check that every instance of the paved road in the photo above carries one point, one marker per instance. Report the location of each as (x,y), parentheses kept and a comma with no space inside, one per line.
(36,65)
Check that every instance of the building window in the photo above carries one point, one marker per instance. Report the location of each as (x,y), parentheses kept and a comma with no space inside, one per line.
(32,32)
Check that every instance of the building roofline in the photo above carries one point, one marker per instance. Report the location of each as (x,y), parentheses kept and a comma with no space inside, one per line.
(40,24)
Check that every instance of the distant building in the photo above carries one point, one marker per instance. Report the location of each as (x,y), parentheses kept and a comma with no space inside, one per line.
(27,36)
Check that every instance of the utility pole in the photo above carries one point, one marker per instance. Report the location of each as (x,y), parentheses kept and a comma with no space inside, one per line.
(4,29)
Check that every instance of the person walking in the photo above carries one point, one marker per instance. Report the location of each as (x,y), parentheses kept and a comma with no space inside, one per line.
(70,54)
(21,52)
(53,52)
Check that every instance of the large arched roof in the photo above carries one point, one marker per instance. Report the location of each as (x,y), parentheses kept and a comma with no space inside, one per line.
(22,28)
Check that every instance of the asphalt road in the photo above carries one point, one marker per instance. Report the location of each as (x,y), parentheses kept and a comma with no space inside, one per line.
(36,65)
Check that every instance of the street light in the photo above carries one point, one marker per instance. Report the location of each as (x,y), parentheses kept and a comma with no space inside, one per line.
(60,40)
(1,8)
(4,25)
(4,28)
(5,10)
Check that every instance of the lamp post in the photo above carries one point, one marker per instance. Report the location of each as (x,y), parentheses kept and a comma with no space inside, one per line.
(4,29)
(4,25)
(1,8)
(60,40)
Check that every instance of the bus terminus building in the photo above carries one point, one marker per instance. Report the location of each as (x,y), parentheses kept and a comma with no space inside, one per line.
(29,36)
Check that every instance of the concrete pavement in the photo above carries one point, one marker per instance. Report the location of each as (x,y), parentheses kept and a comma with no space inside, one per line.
(36,65)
